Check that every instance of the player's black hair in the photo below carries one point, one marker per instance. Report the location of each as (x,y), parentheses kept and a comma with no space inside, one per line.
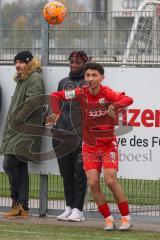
(94,66)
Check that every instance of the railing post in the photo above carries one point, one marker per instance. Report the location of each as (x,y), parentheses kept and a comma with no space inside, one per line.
(43,191)
(1,35)
(44,43)
(43,195)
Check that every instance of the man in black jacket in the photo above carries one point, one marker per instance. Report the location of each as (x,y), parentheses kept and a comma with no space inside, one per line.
(70,164)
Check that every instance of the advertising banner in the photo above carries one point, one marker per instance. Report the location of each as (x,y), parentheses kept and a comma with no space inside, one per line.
(139,149)
(139,131)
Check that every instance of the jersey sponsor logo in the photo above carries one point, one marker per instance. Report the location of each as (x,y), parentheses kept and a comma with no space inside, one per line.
(96,112)
(130,117)
(70,94)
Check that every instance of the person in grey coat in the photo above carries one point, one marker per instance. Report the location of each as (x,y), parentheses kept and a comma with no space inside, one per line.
(20,144)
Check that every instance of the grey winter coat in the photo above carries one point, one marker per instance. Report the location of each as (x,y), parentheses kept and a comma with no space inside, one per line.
(21,136)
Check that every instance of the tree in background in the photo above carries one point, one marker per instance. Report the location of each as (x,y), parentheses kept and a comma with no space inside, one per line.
(20,16)
(10,13)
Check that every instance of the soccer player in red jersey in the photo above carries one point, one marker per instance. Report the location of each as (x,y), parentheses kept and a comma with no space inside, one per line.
(99,105)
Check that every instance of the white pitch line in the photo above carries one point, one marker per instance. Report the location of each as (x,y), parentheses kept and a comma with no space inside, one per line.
(64,234)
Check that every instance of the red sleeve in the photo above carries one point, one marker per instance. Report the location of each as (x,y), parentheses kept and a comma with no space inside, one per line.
(55,100)
(118,98)
(57,97)
(124,101)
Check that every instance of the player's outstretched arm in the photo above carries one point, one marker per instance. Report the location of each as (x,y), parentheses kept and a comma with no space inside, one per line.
(65,95)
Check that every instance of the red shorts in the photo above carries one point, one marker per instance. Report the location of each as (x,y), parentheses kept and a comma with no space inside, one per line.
(106,156)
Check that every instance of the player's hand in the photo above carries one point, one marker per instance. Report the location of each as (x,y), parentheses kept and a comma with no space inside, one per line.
(52,119)
(111,111)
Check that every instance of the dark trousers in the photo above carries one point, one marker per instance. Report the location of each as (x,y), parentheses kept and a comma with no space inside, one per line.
(17,172)
(74,178)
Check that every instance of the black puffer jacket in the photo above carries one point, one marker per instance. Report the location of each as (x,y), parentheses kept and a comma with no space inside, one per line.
(71,118)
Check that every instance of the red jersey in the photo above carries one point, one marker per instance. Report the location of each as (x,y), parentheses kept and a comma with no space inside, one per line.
(98,127)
